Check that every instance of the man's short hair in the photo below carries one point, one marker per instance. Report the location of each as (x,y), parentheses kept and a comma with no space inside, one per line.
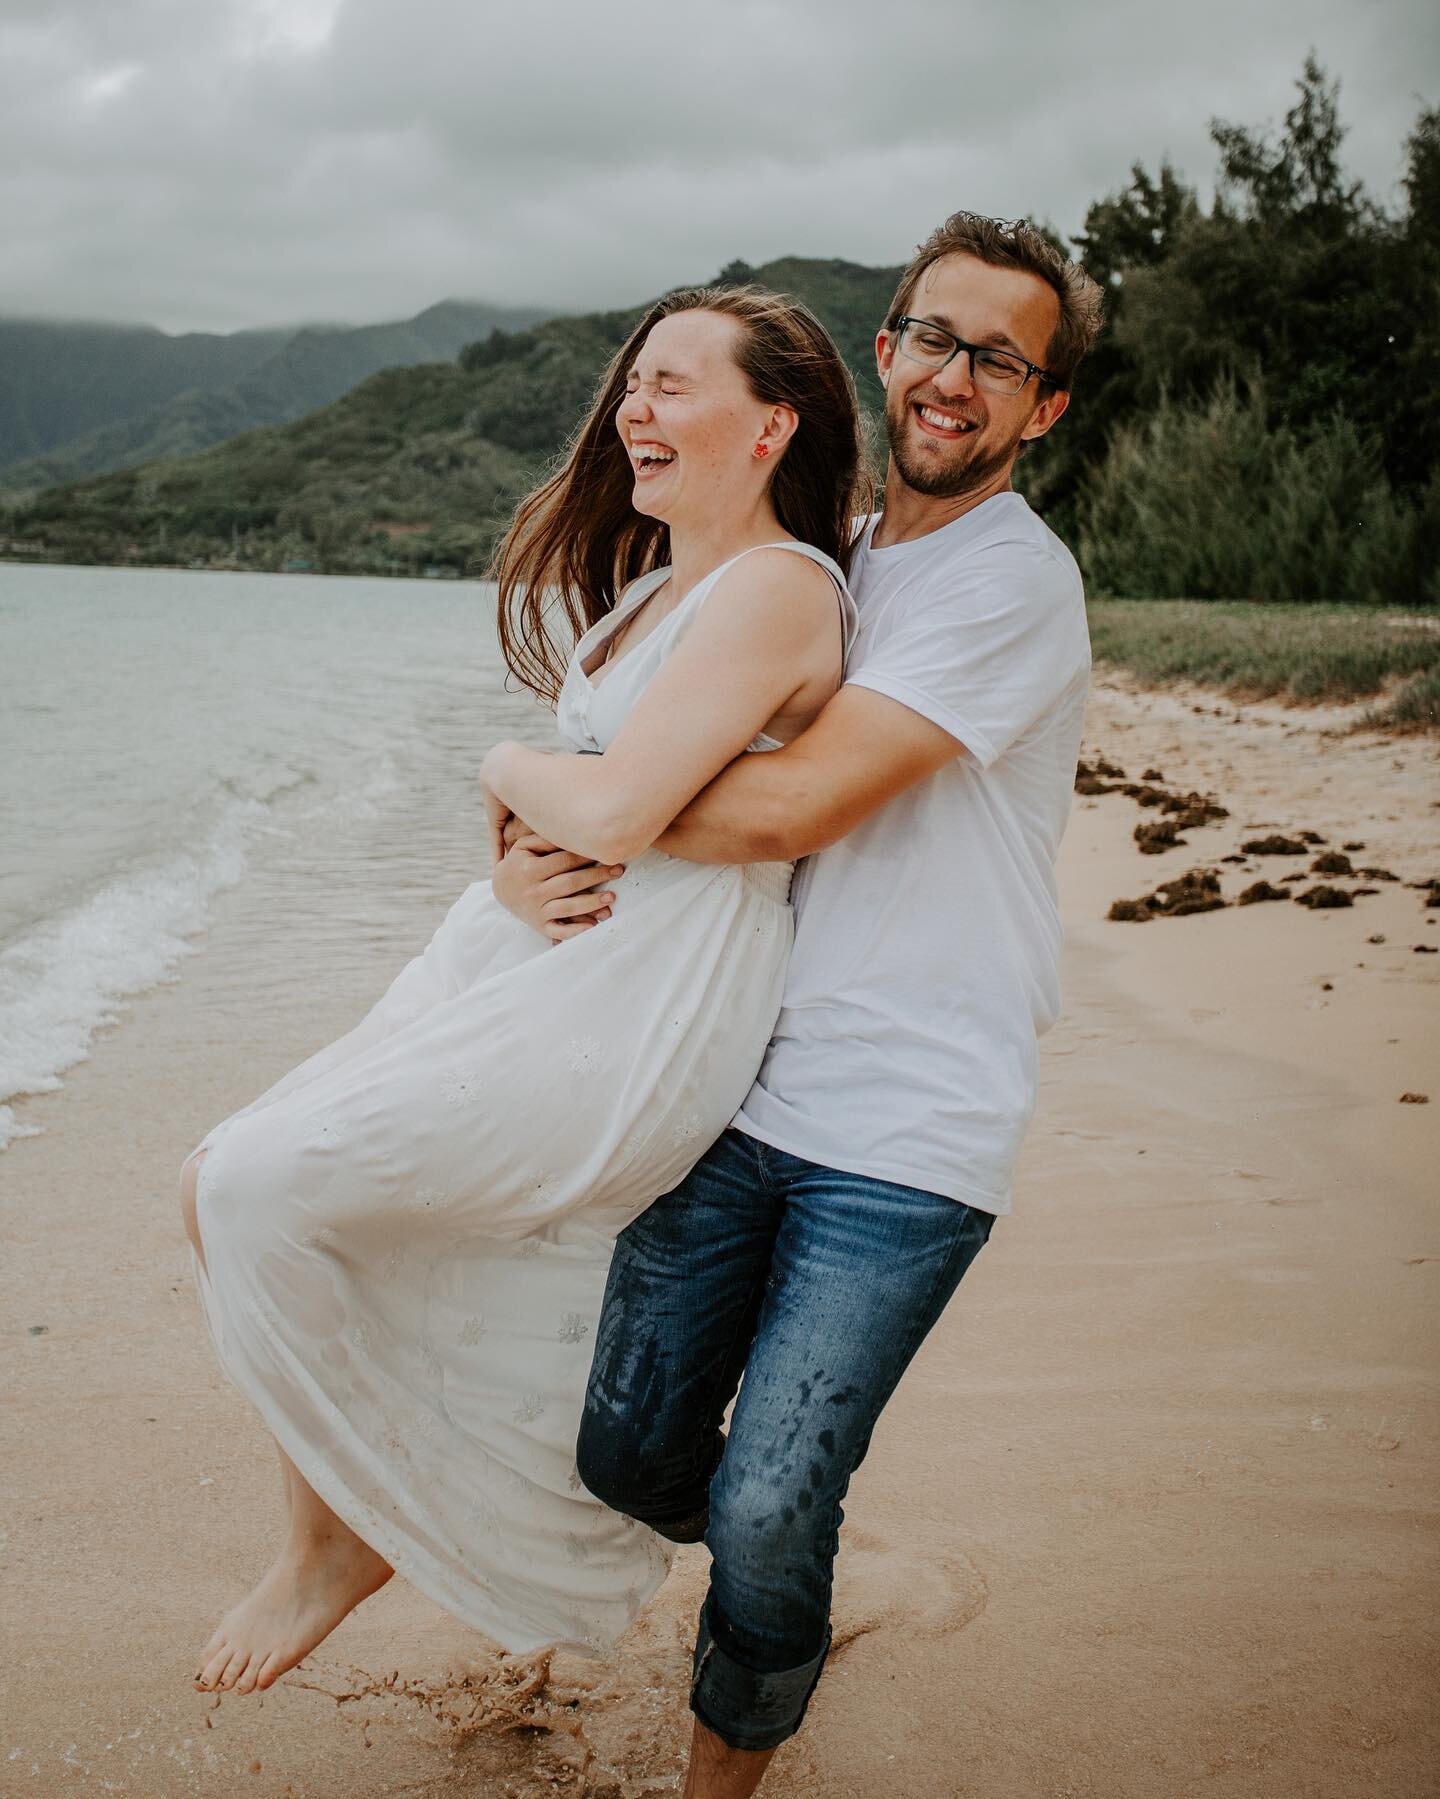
(1014,244)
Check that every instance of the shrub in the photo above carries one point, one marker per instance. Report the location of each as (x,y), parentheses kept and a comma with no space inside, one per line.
(1203,501)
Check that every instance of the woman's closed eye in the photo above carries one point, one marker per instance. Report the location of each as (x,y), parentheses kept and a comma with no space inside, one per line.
(635,384)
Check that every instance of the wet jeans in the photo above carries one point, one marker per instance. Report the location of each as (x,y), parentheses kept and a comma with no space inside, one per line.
(819,1286)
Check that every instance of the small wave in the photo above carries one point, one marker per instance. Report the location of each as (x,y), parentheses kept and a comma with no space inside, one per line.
(362,802)
(71,975)
(290,783)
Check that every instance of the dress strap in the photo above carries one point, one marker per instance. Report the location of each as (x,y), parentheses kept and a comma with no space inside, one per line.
(633,597)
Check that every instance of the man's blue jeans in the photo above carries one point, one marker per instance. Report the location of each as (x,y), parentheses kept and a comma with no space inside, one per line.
(819,1286)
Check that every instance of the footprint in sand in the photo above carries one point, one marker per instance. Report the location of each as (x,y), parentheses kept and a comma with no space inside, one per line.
(879,1586)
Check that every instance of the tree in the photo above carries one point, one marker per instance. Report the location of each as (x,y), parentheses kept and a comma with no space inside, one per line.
(1136,228)
(1299,178)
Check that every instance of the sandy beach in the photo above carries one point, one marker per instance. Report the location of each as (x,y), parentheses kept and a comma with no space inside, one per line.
(1152,1514)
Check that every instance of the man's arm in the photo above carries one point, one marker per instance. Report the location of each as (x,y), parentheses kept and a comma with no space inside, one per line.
(861,751)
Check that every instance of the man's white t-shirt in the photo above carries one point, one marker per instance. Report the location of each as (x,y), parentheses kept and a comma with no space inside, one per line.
(927,942)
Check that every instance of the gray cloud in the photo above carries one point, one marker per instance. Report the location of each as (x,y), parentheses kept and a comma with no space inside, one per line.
(266,161)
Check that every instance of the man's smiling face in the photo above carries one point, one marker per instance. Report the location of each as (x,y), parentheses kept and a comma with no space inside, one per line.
(949,437)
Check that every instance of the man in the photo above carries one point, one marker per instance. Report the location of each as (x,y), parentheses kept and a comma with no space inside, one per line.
(818,1241)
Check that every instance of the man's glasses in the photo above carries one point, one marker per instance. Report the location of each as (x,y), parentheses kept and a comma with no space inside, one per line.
(997,371)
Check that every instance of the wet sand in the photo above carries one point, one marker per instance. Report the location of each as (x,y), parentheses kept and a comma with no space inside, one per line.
(1152,1513)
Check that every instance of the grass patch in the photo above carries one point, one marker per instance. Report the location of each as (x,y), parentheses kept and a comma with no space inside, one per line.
(1416,707)
(1302,653)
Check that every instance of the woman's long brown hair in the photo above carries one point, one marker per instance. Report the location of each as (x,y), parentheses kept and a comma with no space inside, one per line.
(576,542)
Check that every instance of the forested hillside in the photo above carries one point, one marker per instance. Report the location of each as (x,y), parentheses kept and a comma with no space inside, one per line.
(417,468)
(79,399)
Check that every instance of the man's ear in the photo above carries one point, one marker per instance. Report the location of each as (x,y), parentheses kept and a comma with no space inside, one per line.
(884,355)
(1046,413)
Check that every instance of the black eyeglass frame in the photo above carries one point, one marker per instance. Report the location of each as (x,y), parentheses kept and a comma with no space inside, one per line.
(970,350)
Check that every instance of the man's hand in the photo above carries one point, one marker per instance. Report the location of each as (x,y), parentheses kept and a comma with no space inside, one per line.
(554,891)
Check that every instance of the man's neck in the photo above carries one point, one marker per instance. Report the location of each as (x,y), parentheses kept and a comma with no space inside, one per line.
(909,514)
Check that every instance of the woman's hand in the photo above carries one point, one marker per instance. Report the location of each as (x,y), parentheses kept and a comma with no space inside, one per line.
(497,816)
(554,891)
(497,813)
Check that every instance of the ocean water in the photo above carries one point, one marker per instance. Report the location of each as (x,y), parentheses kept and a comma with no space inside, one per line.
(300,749)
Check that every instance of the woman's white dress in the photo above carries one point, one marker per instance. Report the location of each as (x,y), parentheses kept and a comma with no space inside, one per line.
(408,1235)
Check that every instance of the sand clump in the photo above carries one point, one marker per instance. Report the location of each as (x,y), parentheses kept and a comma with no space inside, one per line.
(1197,890)
(1258,891)
(1326,898)
(1274,845)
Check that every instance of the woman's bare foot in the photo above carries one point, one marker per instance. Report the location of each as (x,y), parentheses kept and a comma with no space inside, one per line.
(298,1603)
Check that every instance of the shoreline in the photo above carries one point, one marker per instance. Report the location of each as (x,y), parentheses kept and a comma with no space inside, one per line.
(1154,1497)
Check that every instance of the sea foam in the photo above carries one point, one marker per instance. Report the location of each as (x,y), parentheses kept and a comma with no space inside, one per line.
(70,976)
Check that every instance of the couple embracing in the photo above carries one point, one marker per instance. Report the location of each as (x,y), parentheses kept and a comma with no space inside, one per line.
(644,1118)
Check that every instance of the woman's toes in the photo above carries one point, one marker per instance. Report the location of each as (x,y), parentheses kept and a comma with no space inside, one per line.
(232,1669)
(245,1679)
(212,1666)
(269,1673)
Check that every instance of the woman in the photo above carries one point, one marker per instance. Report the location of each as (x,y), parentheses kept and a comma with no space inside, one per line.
(402,1246)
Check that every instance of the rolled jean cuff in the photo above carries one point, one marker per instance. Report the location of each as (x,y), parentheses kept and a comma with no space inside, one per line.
(747,1709)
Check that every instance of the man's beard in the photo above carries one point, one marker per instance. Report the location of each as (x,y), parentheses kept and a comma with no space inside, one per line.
(968,472)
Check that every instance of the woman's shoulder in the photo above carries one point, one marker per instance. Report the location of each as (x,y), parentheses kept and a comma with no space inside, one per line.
(786,565)
(787,590)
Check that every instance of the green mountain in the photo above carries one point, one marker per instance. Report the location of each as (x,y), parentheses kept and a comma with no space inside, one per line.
(79,399)
(59,381)
(417,468)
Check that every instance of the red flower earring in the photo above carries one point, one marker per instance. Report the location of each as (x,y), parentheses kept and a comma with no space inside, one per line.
(762,449)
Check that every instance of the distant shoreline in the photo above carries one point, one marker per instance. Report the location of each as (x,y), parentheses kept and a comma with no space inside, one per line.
(1328,653)
(239,568)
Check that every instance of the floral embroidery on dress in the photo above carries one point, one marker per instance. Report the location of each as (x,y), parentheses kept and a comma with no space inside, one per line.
(325,1130)
(540,1188)
(686,1129)
(427,1199)
(482,1516)
(430,1363)
(585,1055)
(576,1548)
(528,1409)
(360,1335)
(573,1328)
(573,1480)
(261,1311)
(526,1248)
(320,1236)
(460,1087)
(472,1331)
(633,1144)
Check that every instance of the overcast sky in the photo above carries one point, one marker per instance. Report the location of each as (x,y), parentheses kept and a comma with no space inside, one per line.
(208,164)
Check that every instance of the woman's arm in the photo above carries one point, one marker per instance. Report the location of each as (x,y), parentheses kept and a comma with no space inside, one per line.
(861,751)
(765,635)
